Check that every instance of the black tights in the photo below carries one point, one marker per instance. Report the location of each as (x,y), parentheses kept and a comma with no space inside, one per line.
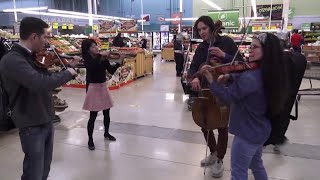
(92,119)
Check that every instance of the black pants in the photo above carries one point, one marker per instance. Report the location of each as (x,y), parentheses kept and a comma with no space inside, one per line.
(37,145)
(179,62)
(221,146)
(92,119)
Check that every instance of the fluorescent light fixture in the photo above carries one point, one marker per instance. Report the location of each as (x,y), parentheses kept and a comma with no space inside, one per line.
(241,18)
(140,20)
(183,19)
(54,14)
(212,4)
(254,7)
(86,14)
(26,9)
(181,2)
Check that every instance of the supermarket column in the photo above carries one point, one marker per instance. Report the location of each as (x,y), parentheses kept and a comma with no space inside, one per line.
(32,111)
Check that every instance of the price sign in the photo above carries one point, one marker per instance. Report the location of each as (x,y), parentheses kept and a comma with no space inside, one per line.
(55,25)
(95,27)
(64,26)
(70,26)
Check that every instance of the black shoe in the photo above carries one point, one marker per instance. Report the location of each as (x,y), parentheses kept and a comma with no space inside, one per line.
(110,137)
(91,145)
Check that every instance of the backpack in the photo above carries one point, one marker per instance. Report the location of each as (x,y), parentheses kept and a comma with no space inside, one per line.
(296,64)
(6,122)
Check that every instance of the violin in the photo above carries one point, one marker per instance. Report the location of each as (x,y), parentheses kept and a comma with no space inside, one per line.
(47,58)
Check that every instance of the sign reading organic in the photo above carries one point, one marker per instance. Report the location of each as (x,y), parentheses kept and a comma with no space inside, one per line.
(264,11)
(129,26)
(229,18)
(107,26)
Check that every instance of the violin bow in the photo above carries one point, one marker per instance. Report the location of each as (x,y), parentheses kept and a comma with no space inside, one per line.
(55,52)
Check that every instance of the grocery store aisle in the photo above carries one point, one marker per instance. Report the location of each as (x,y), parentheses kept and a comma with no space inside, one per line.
(156,138)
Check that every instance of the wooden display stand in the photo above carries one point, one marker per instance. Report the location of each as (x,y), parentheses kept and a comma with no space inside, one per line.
(140,64)
(167,54)
(312,53)
(149,64)
(130,62)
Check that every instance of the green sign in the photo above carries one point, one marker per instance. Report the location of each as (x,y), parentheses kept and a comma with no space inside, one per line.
(306,26)
(229,18)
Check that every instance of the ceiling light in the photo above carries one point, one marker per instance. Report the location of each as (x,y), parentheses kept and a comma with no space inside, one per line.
(54,14)
(183,19)
(212,4)
(26,9)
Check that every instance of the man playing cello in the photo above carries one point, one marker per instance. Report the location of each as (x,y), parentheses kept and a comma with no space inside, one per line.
(223,49)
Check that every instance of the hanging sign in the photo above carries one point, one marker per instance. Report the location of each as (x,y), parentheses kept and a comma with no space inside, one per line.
(290,27)
(264,11)
(55,25)
(129,26)
(64,26)
(306,26)
(107,26)
(95,27)
(229,18)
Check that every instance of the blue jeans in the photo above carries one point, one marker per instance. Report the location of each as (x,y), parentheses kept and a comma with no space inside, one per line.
(37,145)
(245,155)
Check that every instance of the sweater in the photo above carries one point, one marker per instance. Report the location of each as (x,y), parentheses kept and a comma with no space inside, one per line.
(97,67)
(248,106)
(32,85)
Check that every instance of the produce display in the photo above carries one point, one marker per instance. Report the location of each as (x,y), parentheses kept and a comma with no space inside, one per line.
(63,45)
(8,35)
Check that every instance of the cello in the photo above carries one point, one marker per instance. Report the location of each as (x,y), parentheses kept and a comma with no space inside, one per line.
(207,111)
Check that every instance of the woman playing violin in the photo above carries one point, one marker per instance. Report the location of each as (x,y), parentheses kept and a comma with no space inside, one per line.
(98,97)
(255,96)
(223,49)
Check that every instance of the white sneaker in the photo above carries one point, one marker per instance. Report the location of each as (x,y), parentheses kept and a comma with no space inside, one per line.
(217,169)
(211,159)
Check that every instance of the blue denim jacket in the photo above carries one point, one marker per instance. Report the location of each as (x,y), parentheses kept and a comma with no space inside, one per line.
(248,106)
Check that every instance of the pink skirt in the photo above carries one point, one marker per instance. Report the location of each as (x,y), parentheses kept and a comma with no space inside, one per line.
(98,97)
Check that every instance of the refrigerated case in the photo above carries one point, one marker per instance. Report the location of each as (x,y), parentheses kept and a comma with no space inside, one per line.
(156,40)
(164,38)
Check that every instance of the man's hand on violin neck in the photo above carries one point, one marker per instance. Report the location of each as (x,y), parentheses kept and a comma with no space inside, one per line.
(217,52)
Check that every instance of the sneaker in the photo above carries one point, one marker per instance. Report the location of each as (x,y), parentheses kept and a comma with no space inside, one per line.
(217,169)
(211,159)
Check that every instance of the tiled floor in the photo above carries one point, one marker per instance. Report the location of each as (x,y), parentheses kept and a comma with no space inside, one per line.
(156,138)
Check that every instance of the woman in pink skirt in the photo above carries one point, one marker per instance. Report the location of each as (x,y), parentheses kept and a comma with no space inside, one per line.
(98,97)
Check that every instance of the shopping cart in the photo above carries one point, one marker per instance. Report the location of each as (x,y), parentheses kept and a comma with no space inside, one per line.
(312,73)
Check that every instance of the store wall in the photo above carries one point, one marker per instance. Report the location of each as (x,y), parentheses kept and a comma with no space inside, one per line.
(155,8)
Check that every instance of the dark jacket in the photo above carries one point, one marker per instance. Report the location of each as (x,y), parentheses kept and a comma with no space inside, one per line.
(34,102)
(226,44)
(96,69)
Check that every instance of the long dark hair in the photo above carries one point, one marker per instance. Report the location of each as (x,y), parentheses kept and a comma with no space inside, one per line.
(274,73)
(207,21)
(85,48)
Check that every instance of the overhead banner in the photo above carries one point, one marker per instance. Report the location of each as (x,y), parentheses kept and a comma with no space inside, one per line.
(229,18)
(107,26)
(129,26)
(146,18)
(264,11)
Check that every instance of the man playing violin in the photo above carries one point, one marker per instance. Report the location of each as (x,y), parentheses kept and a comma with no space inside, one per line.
(30,87)
(223,50)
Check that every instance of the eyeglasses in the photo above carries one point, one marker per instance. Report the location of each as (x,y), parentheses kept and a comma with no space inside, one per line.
(254,47)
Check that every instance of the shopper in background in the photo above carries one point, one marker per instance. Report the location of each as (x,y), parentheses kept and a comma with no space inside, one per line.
(32,88)
(178,54)
(296,41)
(224,48)
(255,97)
(98,97)
(143,43)
(118,41)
